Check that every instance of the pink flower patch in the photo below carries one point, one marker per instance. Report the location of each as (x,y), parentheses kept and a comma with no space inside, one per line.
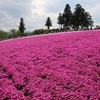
(64,66)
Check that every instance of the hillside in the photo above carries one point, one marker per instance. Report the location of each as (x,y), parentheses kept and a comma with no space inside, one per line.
(60,66)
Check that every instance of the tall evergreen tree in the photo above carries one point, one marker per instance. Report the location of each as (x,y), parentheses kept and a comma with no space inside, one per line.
(67,16)
(87,22)
(81,18)
(78,16)
(22,26)
(48,23)
(60,20)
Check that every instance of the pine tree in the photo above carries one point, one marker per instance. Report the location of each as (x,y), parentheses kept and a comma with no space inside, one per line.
(60,20)
(22,26)
(48,23)
(81,18)
(78,16)
(88,22)
(67,16)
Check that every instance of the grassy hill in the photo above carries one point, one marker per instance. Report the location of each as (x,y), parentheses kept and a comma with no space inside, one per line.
(60,66)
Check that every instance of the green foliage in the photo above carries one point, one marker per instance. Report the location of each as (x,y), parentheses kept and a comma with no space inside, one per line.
(3,35)
(44,31)
(67,16)
(22,26)
(79,19)
(15,33)
(60,20)
(38,31)
(88,22)
(48,23)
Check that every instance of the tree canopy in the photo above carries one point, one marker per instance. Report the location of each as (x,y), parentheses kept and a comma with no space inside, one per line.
(48,23)
(60,20)
(79,19)
(67,15)
(22,26)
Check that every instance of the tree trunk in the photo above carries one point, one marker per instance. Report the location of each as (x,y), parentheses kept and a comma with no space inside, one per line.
(48,27)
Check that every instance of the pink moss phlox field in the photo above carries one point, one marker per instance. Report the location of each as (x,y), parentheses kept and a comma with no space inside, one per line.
(60,66)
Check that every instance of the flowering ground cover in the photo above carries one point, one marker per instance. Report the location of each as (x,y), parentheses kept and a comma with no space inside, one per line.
(62,66)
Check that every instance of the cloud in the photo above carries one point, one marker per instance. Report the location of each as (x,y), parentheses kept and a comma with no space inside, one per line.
(12,11)
(95,13)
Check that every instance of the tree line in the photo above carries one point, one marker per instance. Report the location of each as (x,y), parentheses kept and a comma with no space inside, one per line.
(79,19)
(68,20)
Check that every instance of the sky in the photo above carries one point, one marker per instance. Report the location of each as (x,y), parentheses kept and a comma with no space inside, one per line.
(35,12)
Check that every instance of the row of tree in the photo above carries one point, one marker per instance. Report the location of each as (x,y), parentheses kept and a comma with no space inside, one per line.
(79,19)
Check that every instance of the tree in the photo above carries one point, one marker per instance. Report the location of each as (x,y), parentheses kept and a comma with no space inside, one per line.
(89,20)
(60,20)
(15,33)
(78,16)
(48,23)
(81,18)
(67,15)
(3,35)
(22,26)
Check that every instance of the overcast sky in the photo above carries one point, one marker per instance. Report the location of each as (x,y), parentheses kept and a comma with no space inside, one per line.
(35,12)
